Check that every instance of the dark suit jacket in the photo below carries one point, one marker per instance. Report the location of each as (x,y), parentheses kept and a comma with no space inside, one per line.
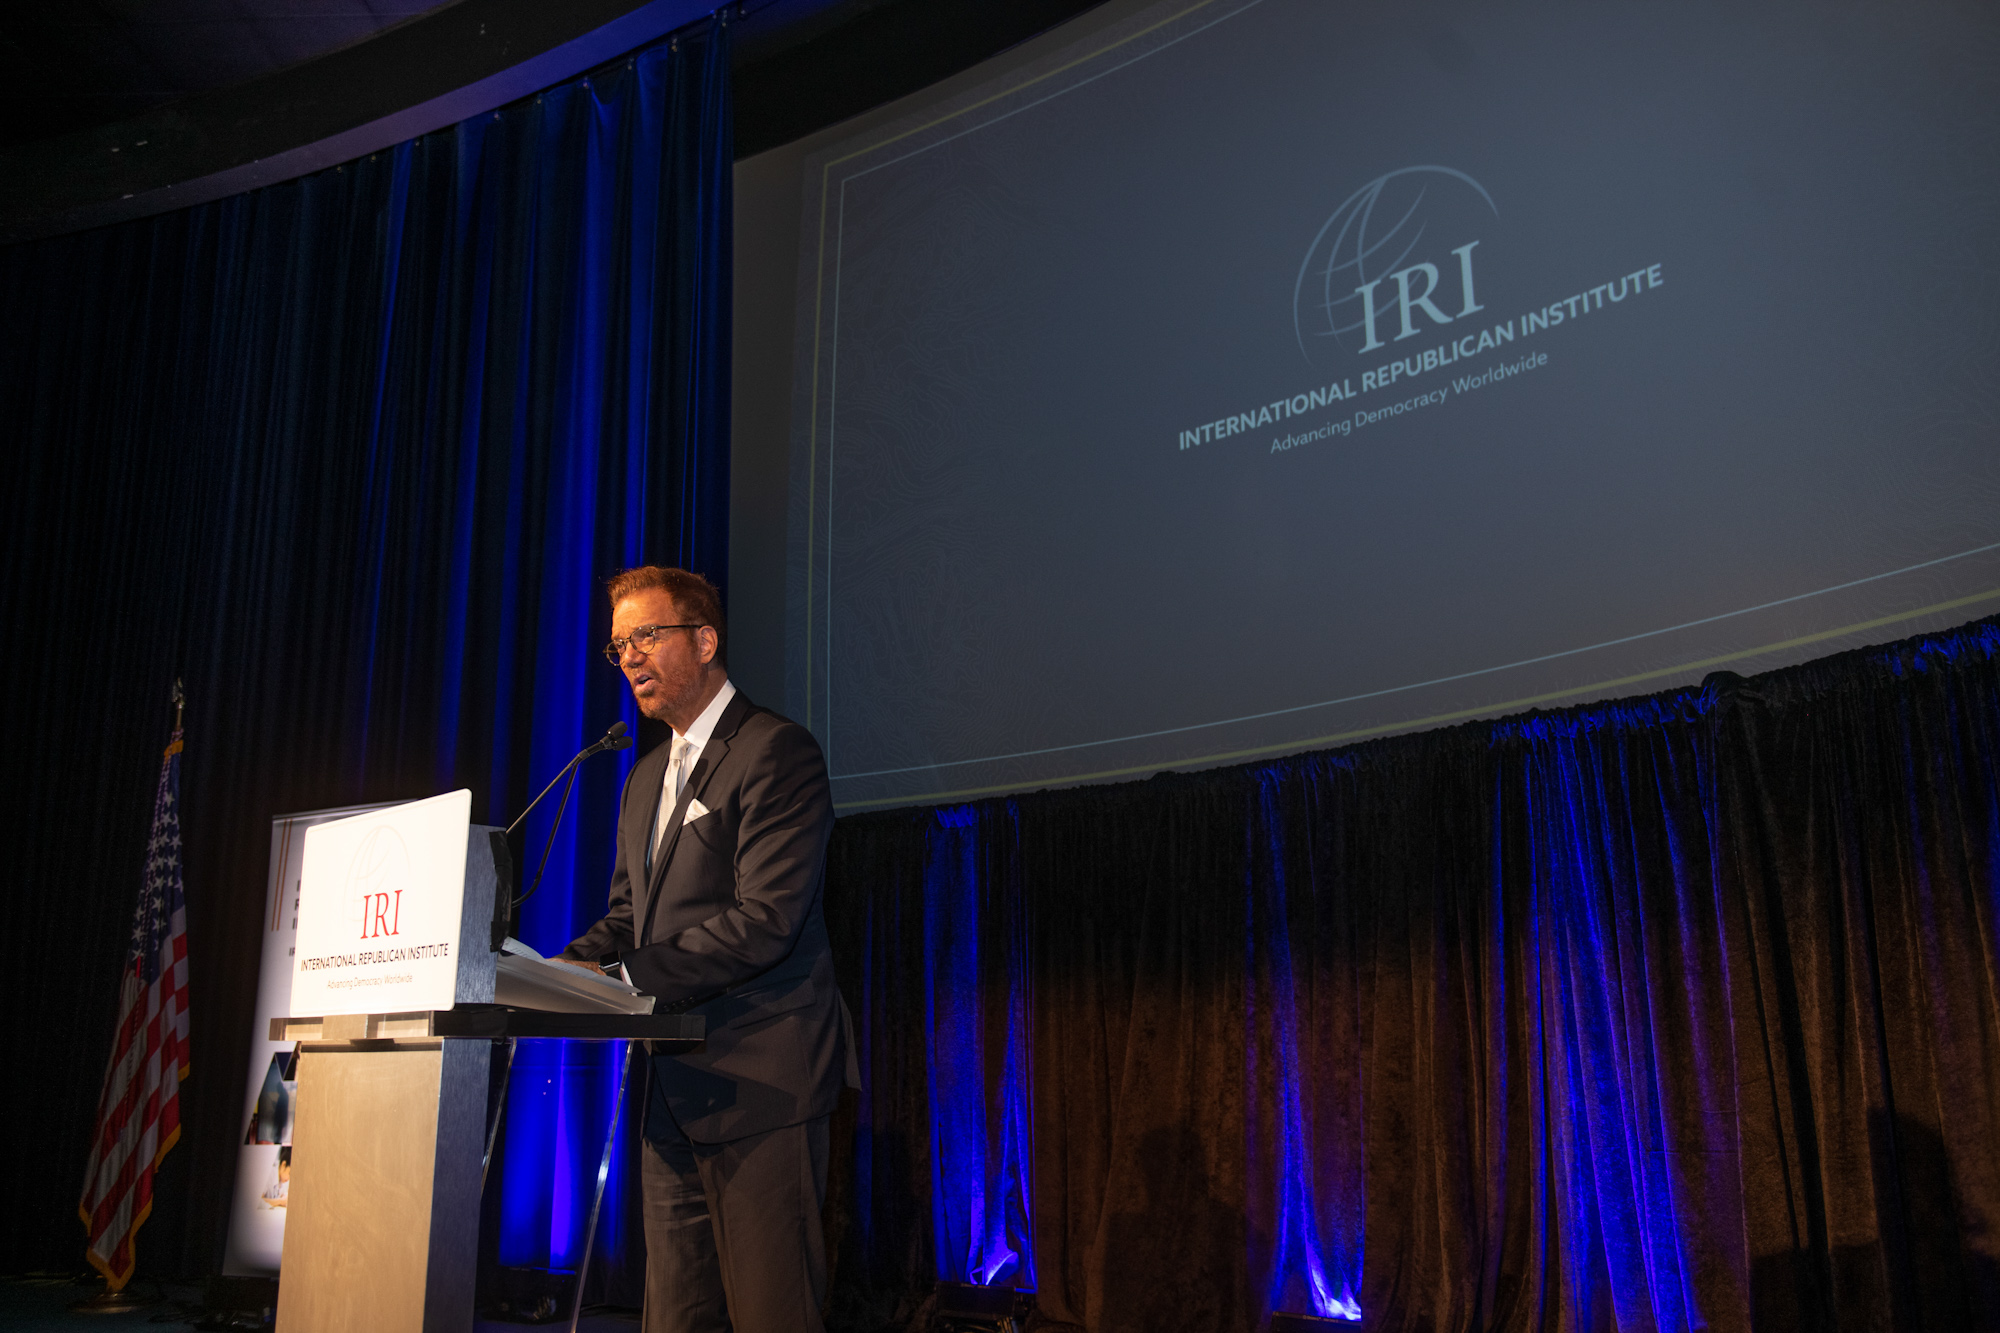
(729,926)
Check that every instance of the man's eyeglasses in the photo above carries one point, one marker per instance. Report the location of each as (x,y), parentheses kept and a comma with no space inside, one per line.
(645,639)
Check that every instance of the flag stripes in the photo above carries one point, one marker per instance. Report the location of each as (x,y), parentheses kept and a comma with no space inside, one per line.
(138,1111)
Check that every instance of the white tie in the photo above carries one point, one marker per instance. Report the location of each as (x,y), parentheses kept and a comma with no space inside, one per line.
(670,791)
(678,764)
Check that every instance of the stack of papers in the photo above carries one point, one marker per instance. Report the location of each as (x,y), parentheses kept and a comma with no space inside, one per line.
(523,979)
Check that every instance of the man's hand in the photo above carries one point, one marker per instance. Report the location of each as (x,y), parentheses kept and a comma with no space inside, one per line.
(578,962)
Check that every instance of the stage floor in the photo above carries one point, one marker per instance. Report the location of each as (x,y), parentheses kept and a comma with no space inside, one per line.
(40,1304)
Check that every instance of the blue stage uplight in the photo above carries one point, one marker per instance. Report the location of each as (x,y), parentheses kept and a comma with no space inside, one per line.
(974,984)
(1268,941)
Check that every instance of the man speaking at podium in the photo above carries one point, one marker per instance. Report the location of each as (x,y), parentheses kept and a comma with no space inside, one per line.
(715,909)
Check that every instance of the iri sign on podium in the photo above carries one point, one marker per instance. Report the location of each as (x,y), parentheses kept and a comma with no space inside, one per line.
(380,900)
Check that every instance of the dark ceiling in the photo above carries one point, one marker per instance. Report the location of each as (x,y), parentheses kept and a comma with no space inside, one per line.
(118,108)
(72,67)
(802,65)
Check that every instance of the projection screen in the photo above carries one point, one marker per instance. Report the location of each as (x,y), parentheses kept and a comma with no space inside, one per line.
(1226,379)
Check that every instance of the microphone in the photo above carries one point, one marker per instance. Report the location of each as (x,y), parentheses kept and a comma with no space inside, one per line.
(614,738)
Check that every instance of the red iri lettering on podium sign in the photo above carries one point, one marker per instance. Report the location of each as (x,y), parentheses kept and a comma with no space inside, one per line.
(381,914)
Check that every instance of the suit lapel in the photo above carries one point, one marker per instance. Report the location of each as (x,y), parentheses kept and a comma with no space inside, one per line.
(711,758)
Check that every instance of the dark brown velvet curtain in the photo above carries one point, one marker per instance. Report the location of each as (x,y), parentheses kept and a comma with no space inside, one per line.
(1672,1013)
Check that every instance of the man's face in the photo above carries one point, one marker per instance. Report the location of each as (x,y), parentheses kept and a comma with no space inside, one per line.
(668,679)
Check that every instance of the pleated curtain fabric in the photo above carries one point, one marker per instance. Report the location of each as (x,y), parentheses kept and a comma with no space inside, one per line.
(352,455)
(1675,1013)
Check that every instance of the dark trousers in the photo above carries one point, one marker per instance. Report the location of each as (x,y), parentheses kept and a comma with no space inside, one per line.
(733,1241)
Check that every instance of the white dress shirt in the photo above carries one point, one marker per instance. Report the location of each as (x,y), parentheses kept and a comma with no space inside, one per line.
(686,753)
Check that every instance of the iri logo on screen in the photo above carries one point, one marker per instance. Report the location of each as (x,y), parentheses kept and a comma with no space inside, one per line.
(380,873)
(1394,262)
(1390,293)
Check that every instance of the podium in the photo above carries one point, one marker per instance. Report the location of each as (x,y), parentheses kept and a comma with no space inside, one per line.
(389,1150)
(391,1136)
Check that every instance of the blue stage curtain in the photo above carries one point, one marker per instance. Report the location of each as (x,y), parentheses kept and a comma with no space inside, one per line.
(1672,1013)
(353,455)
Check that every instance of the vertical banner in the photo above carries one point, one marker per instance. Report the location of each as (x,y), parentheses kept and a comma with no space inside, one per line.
(263,1161)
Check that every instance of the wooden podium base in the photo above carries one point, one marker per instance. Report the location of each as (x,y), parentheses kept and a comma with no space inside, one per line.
(389,1146)
(383,1233)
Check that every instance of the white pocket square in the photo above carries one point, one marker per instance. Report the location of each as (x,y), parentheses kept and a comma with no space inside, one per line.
(695,811)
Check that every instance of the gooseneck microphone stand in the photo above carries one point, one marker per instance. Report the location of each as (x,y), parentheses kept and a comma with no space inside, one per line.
(614,739)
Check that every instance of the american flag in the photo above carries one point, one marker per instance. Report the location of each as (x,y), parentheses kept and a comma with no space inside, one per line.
(138,1113)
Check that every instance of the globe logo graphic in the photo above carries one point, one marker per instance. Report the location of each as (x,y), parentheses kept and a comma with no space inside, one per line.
(1409,216)
(381,864)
